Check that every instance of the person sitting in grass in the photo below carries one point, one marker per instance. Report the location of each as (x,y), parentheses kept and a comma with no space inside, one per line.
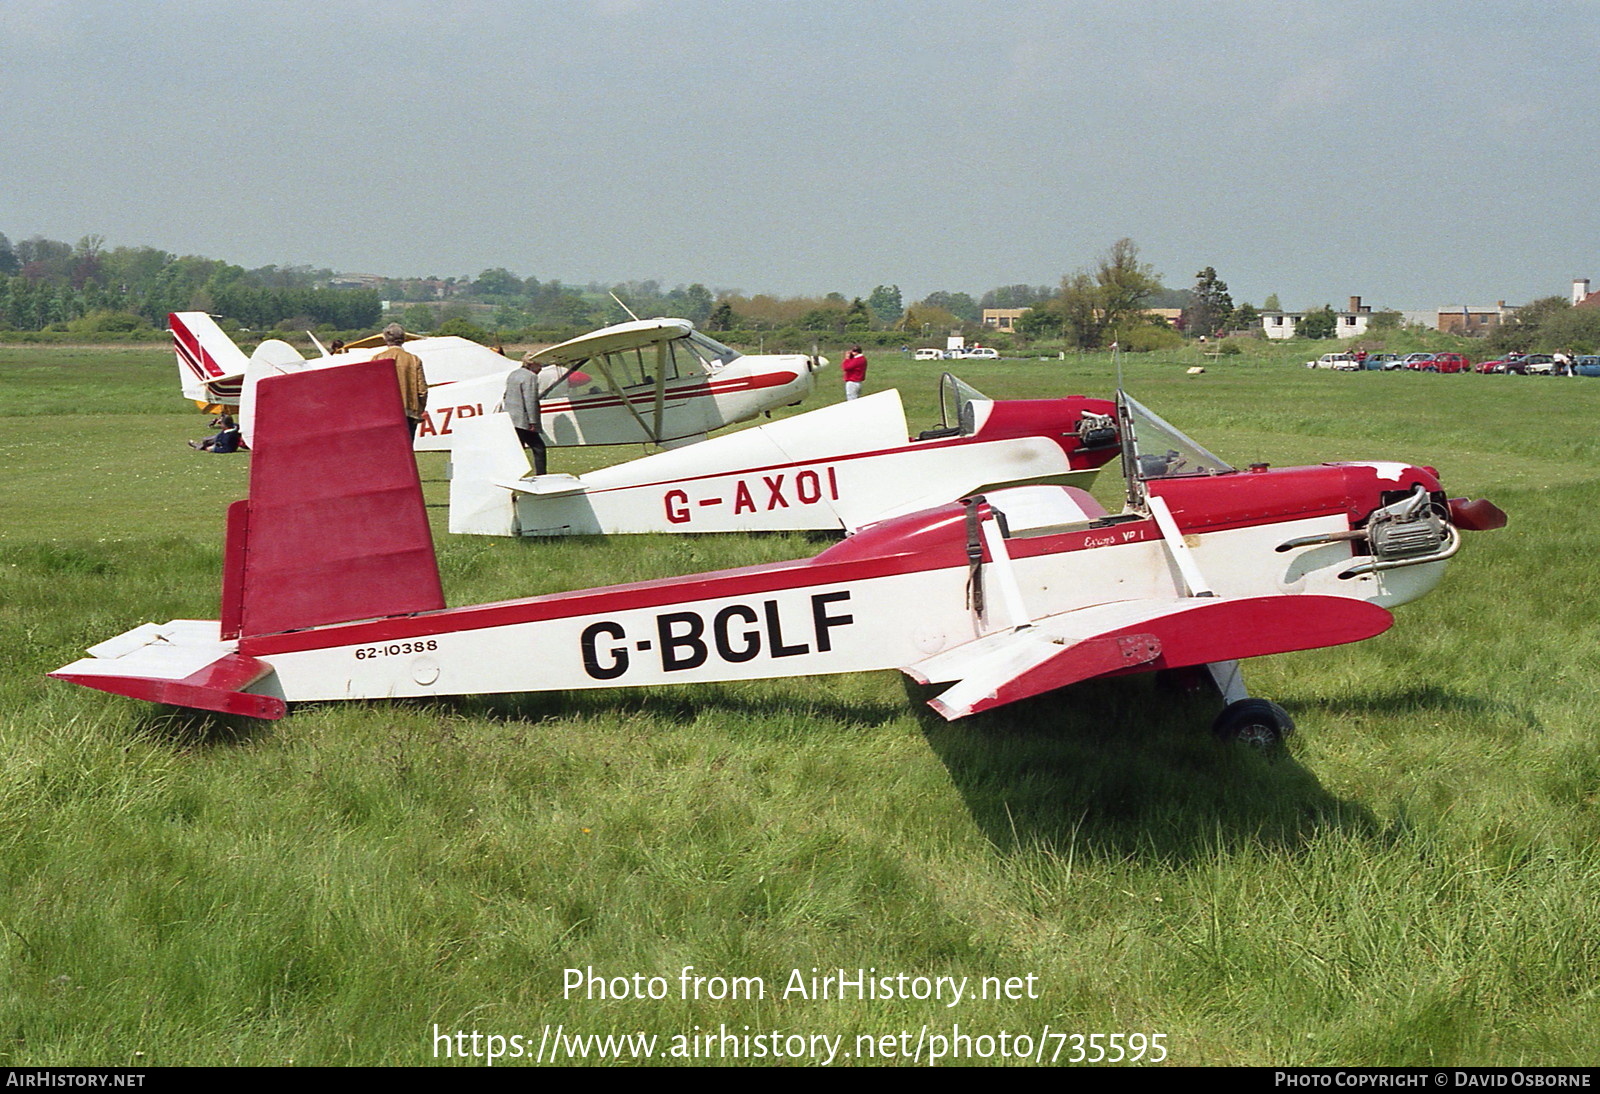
(225,440)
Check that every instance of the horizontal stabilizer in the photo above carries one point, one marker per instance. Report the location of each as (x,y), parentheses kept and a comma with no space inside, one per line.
(1109,639)
(183,663)
(546,486)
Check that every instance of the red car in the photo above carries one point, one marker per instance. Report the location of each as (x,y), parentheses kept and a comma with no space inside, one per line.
(1448,362)
(1438,362)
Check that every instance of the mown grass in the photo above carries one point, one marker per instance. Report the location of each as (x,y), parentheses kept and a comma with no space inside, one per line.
(1416,882)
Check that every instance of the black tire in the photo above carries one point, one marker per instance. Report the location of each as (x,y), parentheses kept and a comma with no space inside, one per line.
(1259,723)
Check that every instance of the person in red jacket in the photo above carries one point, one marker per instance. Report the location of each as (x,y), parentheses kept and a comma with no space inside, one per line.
(854,369)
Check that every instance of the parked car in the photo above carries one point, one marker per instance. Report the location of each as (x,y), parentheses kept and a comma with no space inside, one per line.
(1448,362)
(1496,365)
(1415,361)
(974,353)
(1334,360)
(929,355)
(1588,365)
(1530,364)
(1384,361)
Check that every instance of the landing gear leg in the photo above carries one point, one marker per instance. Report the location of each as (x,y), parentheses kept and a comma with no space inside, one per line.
(1256,722)
(1229,679)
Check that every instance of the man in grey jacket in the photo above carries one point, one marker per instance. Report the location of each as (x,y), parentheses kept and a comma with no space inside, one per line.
(522,403)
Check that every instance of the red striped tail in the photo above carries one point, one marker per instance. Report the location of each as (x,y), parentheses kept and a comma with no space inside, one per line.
(210,366)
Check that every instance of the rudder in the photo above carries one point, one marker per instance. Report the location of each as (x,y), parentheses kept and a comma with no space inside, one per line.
(206,357)
(335,528)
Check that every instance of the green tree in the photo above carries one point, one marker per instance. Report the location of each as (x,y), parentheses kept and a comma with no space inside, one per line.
(823,319)
(721,317)
(886,304)
(1271,303)
(1079,308)
(497,282)
(1040,321)
(464,328)
(1570,330)
(1317,324)
(1098,307)
(693,303)
(1125,283)
(858,316)
(958,304)
(1210,307)
(930,321)
(1017,296)
(1245,317)
(1522,331)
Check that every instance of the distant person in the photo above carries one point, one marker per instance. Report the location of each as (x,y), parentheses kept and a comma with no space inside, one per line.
(224,442)
(854,370)
(522,403)
(337,346)
(408,368)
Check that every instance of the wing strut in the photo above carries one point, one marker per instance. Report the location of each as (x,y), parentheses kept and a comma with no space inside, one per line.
(1181,555)
(663,357)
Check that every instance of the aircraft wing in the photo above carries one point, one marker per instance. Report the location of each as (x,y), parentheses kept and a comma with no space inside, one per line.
(639,334)
(1106,639)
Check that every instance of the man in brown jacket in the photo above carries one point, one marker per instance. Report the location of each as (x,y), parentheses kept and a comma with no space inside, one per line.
(408,367)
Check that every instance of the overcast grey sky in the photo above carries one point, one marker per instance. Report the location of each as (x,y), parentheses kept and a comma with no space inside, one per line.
(1418,154)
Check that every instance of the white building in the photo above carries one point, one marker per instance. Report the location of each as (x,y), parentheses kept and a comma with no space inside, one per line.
(1346,324)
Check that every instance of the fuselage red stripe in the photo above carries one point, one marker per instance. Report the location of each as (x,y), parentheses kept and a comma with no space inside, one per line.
(752,580)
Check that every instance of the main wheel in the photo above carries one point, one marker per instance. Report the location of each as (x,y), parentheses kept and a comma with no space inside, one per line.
(1256,722)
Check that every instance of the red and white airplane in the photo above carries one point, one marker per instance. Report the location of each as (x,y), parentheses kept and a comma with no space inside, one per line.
(839,468)
(330,588)
(650,381)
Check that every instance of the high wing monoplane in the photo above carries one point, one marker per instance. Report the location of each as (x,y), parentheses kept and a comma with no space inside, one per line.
(650,381)
(841,467)
(331,591)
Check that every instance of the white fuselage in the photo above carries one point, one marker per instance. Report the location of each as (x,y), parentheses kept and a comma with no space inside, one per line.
(839,468)
(799,619)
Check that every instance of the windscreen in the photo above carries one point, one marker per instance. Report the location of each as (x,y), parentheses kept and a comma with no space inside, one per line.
(1154,449)
(955,403)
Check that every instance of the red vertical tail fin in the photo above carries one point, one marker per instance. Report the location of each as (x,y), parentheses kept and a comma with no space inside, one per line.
(335,528)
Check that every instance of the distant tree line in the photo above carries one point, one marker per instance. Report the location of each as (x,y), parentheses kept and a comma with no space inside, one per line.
(45,283)
(51,285)
(1548,325)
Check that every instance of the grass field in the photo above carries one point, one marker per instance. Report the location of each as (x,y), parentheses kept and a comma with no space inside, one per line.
(1416,882)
